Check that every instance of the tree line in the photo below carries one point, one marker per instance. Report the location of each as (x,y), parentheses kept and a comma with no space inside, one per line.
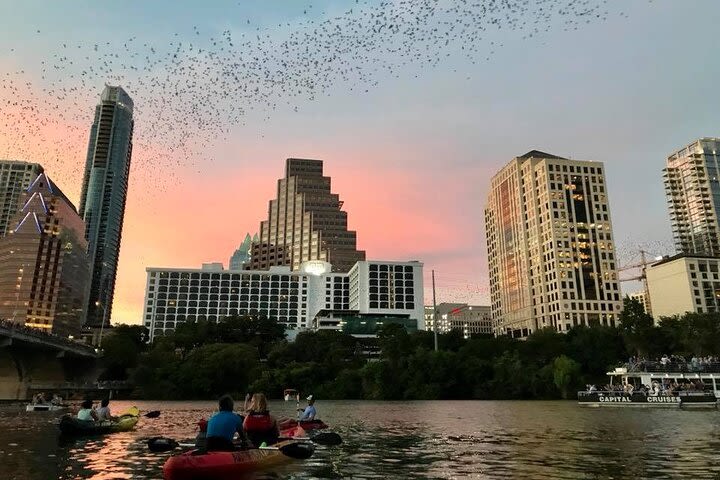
(202,360)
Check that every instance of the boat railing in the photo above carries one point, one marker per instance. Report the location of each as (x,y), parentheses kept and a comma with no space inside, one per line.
(621,393)
(673,367)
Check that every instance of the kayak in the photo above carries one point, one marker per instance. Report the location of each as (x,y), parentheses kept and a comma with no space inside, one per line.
(44,407)
(70,425)
(196,464)
(288,423)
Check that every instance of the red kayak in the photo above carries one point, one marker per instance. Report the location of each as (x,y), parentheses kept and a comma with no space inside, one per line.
(288,423)
(232,465)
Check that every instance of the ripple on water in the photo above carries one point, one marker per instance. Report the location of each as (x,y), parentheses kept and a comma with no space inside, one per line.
(383,440)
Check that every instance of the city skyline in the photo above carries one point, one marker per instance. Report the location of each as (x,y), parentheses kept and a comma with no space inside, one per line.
(637,109)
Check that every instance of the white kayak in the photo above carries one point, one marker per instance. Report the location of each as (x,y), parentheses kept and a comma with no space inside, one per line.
(43,407)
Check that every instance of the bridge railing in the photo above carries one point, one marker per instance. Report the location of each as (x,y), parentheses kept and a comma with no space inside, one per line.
(13,328)
(103,385)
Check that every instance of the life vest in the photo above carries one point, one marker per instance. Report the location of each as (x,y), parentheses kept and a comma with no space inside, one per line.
(258,422)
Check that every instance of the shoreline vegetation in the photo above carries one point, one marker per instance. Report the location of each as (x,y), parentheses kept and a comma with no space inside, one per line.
(203,360)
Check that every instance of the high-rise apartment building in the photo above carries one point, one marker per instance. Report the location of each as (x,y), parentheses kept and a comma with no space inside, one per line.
(305,222)
(44,268)
(692,186)
(550,246)
(15,178)
(104,192)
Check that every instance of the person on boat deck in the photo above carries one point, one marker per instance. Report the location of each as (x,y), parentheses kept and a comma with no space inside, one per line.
(39,399)
(260,427)
(309,412)
(56,399)
(103,411)
(86,411)
(222,426)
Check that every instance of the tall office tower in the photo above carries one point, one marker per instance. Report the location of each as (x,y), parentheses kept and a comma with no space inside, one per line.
(15,177)
(550,246)
(104,191)
(305,222)
(44,268)
(692,186)
(242,254)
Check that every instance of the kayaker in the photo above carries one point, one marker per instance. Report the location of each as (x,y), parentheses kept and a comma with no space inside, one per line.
(309,412)
(222,426)
(260,427)
(86,411)
(103,411)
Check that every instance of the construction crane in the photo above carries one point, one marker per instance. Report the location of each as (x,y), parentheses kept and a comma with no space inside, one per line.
(642,265)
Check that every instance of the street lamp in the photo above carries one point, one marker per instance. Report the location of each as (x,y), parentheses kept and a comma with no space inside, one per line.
(102,322)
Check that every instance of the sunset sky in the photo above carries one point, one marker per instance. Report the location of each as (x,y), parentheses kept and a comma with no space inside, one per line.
(411,157)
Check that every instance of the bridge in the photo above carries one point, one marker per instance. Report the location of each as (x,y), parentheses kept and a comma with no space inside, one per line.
(32,359)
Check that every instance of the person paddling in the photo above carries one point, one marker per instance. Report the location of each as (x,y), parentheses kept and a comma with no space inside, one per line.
(86,411)
(260,427)
(222,426)
(308,413)
(103,411)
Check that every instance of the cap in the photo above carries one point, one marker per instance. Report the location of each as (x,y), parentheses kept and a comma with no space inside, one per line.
(310,397)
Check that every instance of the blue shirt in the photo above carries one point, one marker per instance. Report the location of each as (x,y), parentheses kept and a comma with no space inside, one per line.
(309,413)
(224,424)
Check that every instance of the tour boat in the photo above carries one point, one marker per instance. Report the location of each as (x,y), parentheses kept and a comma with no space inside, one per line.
(655,374)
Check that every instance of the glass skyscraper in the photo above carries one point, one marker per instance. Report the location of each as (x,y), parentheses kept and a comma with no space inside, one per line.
(104,192)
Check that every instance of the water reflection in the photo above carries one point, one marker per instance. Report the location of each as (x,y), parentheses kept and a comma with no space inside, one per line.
(483,440)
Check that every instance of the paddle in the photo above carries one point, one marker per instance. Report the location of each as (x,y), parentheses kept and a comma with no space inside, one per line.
(323,438)
(296,450)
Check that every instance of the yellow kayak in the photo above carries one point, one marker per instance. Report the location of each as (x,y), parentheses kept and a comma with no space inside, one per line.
(70,425)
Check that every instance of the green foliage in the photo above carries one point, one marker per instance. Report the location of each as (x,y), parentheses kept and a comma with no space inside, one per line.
(121,350)
(245,354)
(566,374)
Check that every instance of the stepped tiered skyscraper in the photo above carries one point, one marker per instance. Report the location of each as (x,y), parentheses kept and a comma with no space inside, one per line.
(550,246)
(305,222)
(692,186)
(104,192)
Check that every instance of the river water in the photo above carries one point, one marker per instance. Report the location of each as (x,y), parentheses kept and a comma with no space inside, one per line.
(443,440)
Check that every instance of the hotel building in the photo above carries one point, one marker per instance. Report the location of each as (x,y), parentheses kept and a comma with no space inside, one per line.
(692,187)
(44,268)
(550,246)
(15,178)
(294,298)
(305,222)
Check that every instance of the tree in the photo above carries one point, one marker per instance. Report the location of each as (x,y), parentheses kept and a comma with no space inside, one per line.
(637,327)
(566,373)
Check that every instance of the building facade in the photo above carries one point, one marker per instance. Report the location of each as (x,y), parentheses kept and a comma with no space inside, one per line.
(44,267)
(103,197)
(305,222)
(15,178)
(692,187)
(550,246)
(294,298)
(241,256)
(644,300)
(684,283)
(469,319)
